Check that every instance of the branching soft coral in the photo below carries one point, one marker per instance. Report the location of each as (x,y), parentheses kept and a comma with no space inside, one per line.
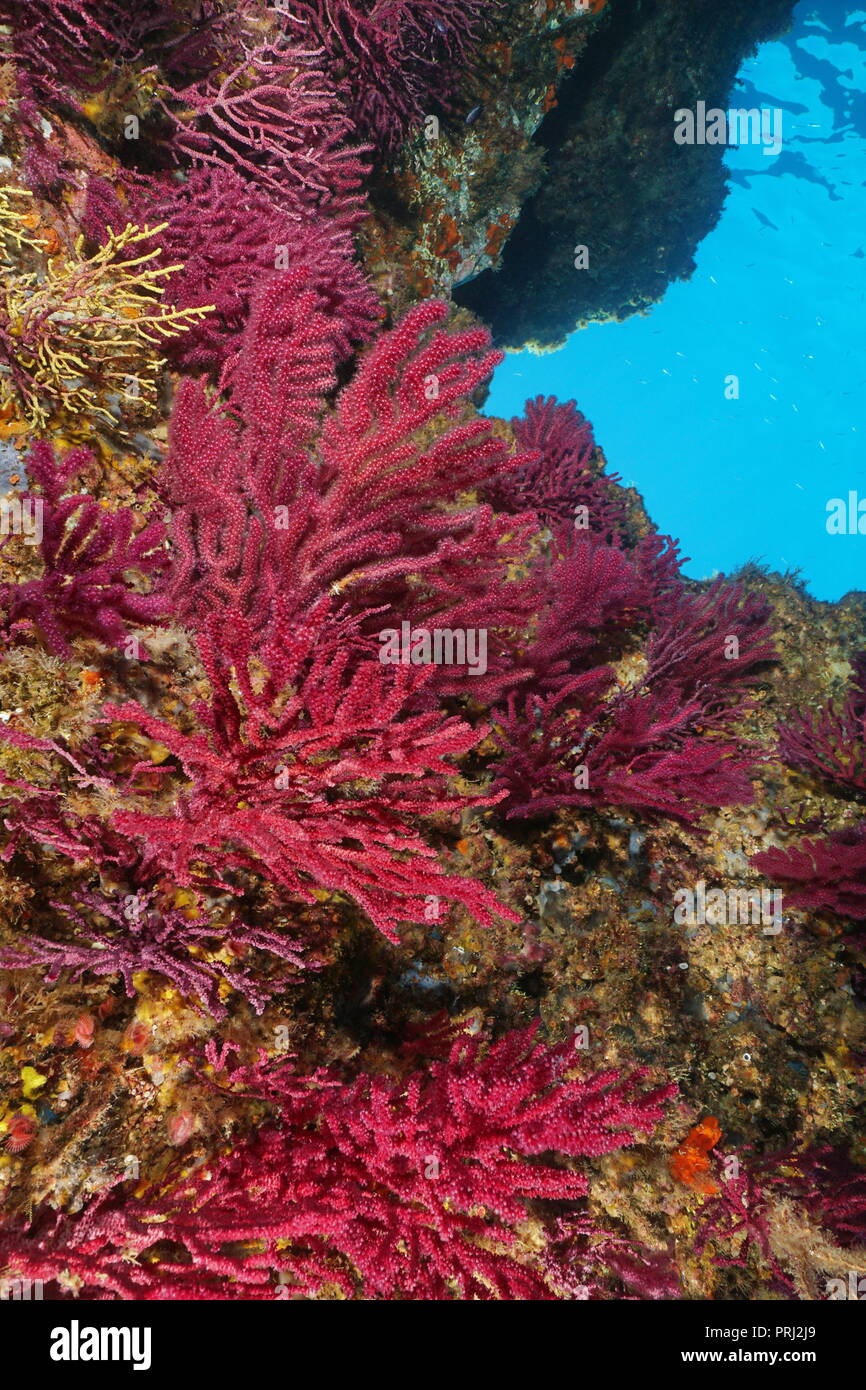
(587,1262)
(66,47)
(363,508)
(277,120)
(593,592)
(647,745)
(88,555)
(653,744)
(382,1189)
(796,1213)
(706,646)
(832,742)
(309,770)
(829,874)
(564,483)
(118,919)
(58,42)
(397,60)
(199,954)
(826,875)
(227,238)
(632,750)
(313,758)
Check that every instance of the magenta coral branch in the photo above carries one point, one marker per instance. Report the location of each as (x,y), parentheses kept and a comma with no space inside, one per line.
(312,778)
(565,484)
(276,119)
(385,1188)
(630,751)
(831,742)
(363,507)
(87,555)
(229,238)
(646,746)
(396,60)
(827,875)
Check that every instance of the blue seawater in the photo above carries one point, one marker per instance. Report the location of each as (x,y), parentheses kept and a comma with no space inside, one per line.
(778,300)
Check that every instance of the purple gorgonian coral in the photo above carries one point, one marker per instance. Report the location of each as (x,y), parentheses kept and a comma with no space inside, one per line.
(88,555)
(395,61)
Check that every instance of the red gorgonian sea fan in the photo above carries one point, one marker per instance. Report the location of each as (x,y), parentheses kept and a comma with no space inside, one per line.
(309,769)
(828,874)
(228,238)
(396,61)
(313,760)
(274,118)
(116,919)
(68,46)
(565,483)
(571,739)
(144,931)
(747,1217)
(361,507)
(571,735)
(705,647)
(590,1263)
(631,751)
(57,43)
(593,594)
(88,555)
(831,743)
(382,1189)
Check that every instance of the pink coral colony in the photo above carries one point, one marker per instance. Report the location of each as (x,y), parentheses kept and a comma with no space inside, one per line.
(246,793)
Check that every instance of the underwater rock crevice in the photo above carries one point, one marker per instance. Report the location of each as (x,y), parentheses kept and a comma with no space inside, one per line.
(615,181)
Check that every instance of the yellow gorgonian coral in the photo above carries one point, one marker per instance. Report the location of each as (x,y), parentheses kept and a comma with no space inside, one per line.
(77,336)
(15,224)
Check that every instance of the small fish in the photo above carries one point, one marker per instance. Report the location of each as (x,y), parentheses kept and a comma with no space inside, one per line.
(474,114)
(764,221)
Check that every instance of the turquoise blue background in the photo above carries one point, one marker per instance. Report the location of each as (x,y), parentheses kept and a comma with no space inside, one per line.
(778,299)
